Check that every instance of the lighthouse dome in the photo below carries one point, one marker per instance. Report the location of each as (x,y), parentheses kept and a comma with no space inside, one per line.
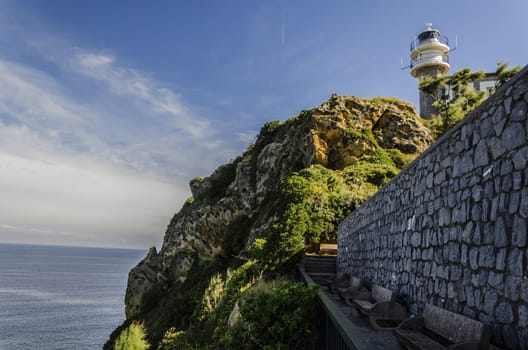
(429,53)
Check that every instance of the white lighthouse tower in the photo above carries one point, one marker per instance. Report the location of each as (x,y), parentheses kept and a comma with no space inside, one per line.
(429,58)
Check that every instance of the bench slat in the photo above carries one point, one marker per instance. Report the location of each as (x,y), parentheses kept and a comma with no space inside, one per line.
(364,304)
(416,340)
(457,328)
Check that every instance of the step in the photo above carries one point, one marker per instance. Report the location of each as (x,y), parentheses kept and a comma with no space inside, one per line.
(320,264)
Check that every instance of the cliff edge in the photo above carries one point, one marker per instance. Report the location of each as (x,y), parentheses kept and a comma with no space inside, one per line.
(342,133)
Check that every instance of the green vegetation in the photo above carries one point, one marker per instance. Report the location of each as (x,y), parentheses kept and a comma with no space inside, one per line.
(305,207)
(504,74)
(219,182)
(277,314)
(132,338)
(453,97)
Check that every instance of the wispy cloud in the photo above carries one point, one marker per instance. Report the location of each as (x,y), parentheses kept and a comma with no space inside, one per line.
(93,151)
(135,84)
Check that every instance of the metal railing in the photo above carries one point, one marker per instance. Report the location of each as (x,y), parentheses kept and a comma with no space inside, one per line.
(337,332)
(413,63)
(417,42)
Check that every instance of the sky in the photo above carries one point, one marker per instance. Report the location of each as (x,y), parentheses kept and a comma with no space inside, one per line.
(109,108)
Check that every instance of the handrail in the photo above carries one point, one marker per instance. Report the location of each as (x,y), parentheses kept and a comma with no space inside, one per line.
(337,331)
(416,42)
(413,63)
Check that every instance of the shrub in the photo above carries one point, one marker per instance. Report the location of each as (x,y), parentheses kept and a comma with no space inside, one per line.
(278,314)
(132,338)
(174,340)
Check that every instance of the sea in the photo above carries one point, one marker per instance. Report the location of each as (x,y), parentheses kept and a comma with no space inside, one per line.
(54,298)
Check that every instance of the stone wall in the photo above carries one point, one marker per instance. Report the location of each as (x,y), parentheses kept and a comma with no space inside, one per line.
(451,228)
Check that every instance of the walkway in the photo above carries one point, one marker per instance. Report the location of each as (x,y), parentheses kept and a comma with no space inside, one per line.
(319,268)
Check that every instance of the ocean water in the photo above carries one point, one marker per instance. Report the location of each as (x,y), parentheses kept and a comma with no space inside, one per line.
(61,297)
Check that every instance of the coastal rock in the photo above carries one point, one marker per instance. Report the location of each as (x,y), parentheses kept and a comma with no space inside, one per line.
(336,134)
(141,279)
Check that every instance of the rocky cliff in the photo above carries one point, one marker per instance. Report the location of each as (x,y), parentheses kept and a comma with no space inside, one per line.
(336,135)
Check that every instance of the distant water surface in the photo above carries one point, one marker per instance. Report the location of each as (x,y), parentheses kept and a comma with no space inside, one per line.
(61,297)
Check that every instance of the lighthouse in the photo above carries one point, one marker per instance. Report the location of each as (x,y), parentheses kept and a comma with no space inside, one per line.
(429,58)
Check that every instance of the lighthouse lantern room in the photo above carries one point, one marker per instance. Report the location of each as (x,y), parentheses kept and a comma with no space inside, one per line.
(429,53)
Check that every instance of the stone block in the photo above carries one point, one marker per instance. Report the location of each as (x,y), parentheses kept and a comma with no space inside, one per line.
(467,232)
(513,204)
(496,147)
(515,262)
(519,90)
(494,208)
(476,193)
(507,105)
(523,206)
(506,167)
(485,318)
(468,312)
(453,252)
(514,136)
(520,157)
(444,217)
(490,300)
(416,239)
(486,126)
(504,313)
(459,213)
(476,237)
(507,183)
(451,290)
(470,300)
(440,177)
(519,112)
(456,273)
(464,254)
(455,233)
(501,238)
(498,120)
(495,279)
(473,258)
(503,202)
(488,236)
(486,257)
(488,189)
(517,180)
(476,212)
(523,316)
(512,287)
(524,290)
(519,233)
(501,259)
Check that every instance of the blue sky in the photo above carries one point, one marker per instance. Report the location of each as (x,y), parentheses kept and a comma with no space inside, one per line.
(109,108)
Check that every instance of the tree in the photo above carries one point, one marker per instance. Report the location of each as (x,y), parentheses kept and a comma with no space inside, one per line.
(453,96)
(504,74)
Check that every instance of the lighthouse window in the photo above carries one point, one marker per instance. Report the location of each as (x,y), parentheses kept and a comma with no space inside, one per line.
(431,34)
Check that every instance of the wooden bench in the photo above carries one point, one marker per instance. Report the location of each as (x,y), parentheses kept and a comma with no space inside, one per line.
(328,248)
(439,329)
(354,290)
(381,308)
(338,282)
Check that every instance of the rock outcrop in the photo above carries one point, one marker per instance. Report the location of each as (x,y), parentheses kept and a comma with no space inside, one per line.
(335,135)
